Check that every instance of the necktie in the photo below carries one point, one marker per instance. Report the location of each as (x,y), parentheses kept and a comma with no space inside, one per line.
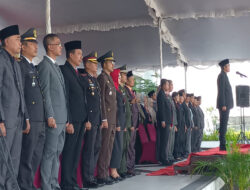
(59,71)
(32,66)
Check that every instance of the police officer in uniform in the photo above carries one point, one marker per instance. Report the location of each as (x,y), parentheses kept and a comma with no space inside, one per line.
(109,120)
(12,103)
(134,123)
(128,119)
(92,139)
(33,140)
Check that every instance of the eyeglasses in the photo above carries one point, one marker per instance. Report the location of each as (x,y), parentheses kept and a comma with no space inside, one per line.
(60,45)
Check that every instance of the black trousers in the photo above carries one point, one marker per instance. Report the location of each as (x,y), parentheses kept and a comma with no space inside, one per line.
(200,138)
(117,150)
(158,142)
(164,136)
(224,116)
(179,143)
(11,150)
(31,155)
(71,156)
(195,139)
(90,153)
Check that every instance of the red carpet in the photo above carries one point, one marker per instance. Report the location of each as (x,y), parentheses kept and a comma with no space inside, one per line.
(244,148)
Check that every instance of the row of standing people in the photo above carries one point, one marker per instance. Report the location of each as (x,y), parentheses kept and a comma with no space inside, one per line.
(49,110)
(180,124)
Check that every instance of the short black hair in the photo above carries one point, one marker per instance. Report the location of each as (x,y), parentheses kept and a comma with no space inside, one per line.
(174,94)
(3,43)
(170,81)
(102,63)
(69,52)
(163,82)
(47,39)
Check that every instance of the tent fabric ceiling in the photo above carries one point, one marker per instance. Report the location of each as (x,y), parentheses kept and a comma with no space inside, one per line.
(204,32)
(195,31)
(199,43)
(180,9)
(73,12)
(128,45)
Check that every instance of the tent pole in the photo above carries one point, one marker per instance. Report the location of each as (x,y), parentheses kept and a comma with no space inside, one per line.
(160,36)
(185,68)
(47,17)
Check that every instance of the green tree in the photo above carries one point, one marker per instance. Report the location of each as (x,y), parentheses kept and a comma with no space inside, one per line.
(144,85)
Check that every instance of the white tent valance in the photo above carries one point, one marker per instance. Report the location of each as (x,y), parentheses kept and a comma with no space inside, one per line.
(102,26)
(199,32)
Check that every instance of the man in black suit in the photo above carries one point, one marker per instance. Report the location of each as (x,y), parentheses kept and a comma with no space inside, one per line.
(92,139)
(164,116)
(12,105)
(77,113)
(224,100)
(33,139)
(201,123)
(188,123)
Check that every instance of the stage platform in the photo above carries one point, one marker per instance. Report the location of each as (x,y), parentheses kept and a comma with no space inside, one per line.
(177,182)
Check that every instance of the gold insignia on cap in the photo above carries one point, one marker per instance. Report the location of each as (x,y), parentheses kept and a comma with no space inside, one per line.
(35,33)
(112,54)
(95,54)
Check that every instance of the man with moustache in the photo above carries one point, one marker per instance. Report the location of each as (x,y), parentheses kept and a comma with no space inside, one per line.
(77,115)
(33,139)
(12,105)
(92,139)
(53,87)
(109,120)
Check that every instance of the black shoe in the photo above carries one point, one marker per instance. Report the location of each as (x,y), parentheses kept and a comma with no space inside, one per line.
(115,179)
(137,173)
(223,149)
(105,181)
(120,178)
(78,188)
(123,175)
(100,182)
(167,163)
(91,184)
(131,173)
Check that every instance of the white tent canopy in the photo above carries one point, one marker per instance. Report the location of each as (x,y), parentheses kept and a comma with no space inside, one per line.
(194,31)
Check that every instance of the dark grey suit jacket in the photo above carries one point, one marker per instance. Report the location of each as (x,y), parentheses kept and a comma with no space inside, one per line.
(32,93)
(53,89)
(164,106)
(225,94)
(11,90)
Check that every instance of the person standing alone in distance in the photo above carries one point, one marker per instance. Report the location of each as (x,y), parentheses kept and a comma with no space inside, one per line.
(224,100)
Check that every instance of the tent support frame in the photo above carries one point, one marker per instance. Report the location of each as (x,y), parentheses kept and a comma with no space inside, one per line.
(47,17)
